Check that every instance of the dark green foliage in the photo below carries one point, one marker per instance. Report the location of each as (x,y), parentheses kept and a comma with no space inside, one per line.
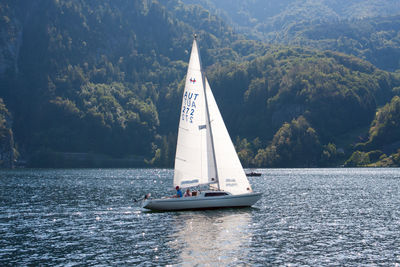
(263,18)
(373,39)
(262,94)
(247,150)
(331,156)
(295,144)
(335,93)
(366,29)
(392,160)
(385,128)
(362,159)
(91,81)
(358,159)
(8,153)
(99,76)
(384,137)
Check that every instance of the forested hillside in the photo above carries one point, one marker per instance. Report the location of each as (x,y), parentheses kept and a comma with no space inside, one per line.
(302,100)
(269,19)
(383,145)
(375,39)
(7,151)
(366,29)
(98,83)
(93,76)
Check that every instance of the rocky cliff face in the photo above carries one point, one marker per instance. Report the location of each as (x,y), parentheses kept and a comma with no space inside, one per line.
(7,152)
(7,149)
(10,39)
(12,17)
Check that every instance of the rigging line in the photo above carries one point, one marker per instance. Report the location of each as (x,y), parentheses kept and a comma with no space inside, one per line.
(204,79)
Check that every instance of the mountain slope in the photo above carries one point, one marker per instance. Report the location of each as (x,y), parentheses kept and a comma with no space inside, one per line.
(92,76)
(105,78)
(332,93)
(8,153)
(266,19)
(366,29)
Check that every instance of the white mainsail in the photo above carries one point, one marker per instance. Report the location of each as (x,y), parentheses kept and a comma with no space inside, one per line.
(193,159)
(205,153)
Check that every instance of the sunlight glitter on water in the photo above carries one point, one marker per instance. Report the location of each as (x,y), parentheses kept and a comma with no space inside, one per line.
(306,217)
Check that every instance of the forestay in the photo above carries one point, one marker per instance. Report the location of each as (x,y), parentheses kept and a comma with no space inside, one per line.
(231,175)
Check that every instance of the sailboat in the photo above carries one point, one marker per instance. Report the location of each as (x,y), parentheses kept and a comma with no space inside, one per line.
(205,155)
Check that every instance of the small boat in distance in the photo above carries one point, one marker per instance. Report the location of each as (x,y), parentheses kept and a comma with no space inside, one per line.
(253,174)
(205,155)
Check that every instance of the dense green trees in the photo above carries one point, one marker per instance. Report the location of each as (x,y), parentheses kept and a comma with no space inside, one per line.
(291,82)
(385,128)
(105,78)
(372,39)
(8,153)
(93,76)
(366,29)
(264,18)
(295,144)
(331,94)
(382,146)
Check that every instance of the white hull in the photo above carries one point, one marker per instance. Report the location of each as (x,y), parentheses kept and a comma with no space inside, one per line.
(202,202)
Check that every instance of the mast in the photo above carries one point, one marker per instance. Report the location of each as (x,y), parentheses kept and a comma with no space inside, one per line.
(203,77)
(211,134)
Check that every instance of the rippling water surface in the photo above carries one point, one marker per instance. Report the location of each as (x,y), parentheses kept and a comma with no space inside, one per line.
(306,217)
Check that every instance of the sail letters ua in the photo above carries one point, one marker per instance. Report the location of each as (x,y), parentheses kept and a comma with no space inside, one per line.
(189,106)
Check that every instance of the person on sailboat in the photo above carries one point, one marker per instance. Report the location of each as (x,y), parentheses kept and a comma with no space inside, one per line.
(178,192)
(188,193)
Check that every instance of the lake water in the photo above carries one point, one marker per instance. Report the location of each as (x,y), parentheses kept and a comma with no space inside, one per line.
(305,217)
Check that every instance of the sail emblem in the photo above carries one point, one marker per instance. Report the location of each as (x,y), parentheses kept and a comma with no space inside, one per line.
(192,80)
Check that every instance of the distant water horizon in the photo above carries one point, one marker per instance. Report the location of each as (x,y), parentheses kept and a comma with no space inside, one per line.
(307,216)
